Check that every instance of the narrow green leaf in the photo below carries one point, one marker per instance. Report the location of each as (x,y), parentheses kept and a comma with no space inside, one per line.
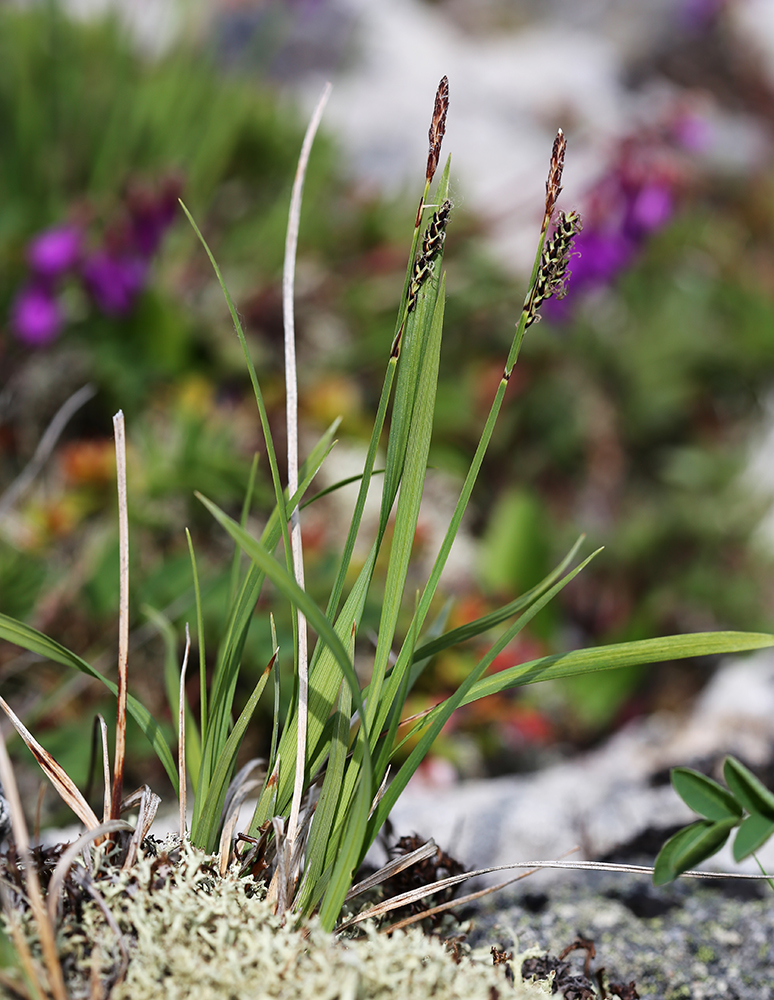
(208,819)
(288,586)
(200,640)
(751,792)
(240,618)
(351,850)
(29,638)
(232,590)
(407,513)
(325,812)
(753,833)
(703,795)
(193,750)
(436,720)
(689,847)
(624,654)
(472,629)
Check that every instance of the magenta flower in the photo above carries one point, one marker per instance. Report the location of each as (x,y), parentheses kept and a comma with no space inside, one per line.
(650,209)
(36,318)
(114,282)
(55,251)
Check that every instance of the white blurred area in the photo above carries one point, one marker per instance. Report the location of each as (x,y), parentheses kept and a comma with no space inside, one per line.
(518,70)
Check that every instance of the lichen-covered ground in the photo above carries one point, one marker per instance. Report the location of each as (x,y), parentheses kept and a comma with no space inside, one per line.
(680,942)
(191,935)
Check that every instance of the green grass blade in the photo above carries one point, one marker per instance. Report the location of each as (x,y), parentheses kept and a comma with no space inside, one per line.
(193,749)
(200,639)
(415,327)
(288,586)
(324,684)
(625,654)
(440,715)
(407,513)
(208,820)
(351,852)
(472,629)
(239,621)
(29,638)
(243,521)
(320,839)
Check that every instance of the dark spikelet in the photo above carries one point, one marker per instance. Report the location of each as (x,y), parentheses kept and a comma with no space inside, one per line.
(554,264)
(554,182)
(432,241)
(437,127)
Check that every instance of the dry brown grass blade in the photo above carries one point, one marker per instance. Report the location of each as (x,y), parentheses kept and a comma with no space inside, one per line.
(13,925)
(398,864)
(462,900)
(238,791)
(34,894)
(123,615)
(14,989)
(54,771)
(71,853)
(105,770)
(181,783)
(149,803)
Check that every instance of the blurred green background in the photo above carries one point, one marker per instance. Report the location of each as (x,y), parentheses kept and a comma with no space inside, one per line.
(629,415)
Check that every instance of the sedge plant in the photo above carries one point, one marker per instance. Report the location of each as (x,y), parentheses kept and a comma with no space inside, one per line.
(332,775)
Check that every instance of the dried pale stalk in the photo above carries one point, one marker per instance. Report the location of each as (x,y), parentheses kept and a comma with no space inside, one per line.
(149,803)
(54,771)
(71,853)
(413,895)
(34,894)
(105,769)
(181,783)
(45,446)
(291,384)
(399,864)
(123,615)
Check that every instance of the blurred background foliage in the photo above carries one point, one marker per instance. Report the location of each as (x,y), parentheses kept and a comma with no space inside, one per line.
(629,414)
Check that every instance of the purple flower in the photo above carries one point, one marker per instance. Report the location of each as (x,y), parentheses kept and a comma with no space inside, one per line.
(54,251)
(36,318)
(599,257)
(151,214)
(695,15)
(114,282)
(650,209)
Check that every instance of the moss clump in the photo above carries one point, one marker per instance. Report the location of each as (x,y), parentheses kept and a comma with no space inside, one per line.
(191,934)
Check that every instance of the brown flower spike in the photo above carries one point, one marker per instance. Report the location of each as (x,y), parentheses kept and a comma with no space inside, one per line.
(554,182)
(437,128)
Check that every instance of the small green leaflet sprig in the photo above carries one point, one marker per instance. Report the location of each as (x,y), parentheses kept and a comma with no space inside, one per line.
(722,810)
(432,242)
(553,271)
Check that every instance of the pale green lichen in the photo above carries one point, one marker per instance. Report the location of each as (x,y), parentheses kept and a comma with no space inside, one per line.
(192,934)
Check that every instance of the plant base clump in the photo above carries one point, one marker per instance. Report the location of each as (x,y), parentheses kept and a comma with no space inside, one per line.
(190,933)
